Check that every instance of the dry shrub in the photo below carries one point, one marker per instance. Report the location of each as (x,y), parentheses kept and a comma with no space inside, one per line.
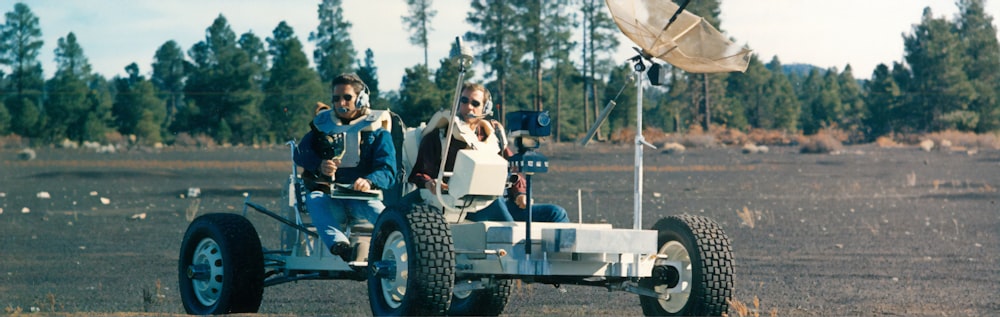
(747,216)
(654,135)
(672,148)
(184,139)
(770,137)
(697,138)
(837,134)
(13,141)
(623,136)
(886,141)
(116,138)
(730,136)
(699,141)
(822,142)
(952,138)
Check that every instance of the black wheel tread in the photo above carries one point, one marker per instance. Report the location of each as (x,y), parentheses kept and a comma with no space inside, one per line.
(240,241)
(715,287)
(436,260)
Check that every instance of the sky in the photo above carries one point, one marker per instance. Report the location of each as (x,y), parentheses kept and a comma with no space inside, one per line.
(115,33)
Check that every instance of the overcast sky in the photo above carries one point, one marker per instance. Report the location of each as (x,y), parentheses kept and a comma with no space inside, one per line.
(114,33)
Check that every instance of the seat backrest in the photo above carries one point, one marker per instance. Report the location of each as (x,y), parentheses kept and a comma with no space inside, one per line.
(400,138)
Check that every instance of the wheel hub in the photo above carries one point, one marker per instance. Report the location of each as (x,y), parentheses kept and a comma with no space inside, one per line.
(205,272)
(394,281)
(666,275)
(673,277)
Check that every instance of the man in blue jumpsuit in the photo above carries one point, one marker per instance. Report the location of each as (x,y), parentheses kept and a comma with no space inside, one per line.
(372,166)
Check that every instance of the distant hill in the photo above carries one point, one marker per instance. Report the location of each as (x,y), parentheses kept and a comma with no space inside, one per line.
(801,69)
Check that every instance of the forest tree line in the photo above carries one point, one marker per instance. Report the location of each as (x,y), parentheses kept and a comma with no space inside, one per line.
(552,55)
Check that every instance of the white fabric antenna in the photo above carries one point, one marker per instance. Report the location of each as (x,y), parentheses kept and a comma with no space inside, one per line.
(690,43)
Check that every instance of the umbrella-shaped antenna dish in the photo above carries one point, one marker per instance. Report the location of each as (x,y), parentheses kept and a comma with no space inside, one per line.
(689,43)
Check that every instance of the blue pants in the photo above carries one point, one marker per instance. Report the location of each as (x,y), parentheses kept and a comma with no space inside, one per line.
(502,210)
(539,212)
(329,215)
(493,212)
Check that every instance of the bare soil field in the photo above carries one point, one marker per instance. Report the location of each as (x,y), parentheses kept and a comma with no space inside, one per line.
(865,232)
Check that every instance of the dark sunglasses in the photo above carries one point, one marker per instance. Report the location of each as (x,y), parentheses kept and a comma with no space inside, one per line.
(465,100)
(347,98)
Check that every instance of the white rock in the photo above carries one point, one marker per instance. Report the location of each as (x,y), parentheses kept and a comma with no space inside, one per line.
(927,145)
(93,193)
(194,192)
(25,210)
(105,201)
(140,216)
(43,195)
(26,155)
(673,147)
(2,195)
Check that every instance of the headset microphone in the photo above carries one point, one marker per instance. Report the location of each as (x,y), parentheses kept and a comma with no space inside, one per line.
(340,109)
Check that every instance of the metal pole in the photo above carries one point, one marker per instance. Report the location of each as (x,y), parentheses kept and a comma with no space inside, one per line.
(637,213)
(527,225)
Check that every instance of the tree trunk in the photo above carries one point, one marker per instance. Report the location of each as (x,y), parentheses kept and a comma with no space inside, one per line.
(706,114)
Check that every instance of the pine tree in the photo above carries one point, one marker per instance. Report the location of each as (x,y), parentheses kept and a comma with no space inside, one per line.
(852,112)
(223,89)
(882,99)
(982,66)
(784,103)
(747,93)
(559,32)
(419,23)
(600,39)
(97,124)
(419,97)
(20,44)
(708,89)
(813,114)
(170,69)
(940,89)
(623,115)
(334,52)
(292,89)
(4,119)
(137,110)
(496,22)
(368,73)
(257,53)
(66,106)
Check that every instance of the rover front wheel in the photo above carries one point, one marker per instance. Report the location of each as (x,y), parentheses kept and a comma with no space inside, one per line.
(221,266)
(412,263)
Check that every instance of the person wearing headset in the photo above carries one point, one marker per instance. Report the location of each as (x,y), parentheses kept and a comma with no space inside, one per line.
(475,105)
(374,171)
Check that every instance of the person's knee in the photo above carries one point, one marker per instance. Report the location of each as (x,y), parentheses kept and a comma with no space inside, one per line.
(557,213)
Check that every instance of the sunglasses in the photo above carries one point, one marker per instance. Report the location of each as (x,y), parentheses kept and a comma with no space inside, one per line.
(465,100)
(347,98)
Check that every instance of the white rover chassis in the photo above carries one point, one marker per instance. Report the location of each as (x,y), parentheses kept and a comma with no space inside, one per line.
(424,260)
(417,263)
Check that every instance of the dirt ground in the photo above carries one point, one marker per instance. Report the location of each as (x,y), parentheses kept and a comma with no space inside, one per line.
(869,231)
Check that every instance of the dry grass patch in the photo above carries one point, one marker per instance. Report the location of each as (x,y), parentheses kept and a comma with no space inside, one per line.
(742,310)
(771,137)
(820,143)
(748,216)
